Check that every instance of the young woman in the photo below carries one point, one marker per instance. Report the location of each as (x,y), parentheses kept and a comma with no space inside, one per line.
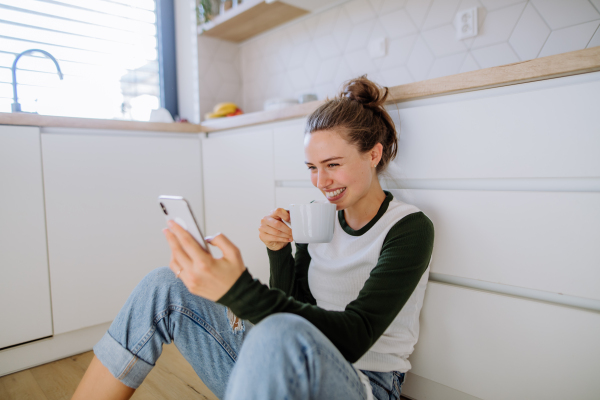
(339,319)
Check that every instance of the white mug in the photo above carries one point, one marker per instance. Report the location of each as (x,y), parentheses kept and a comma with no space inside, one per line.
(312,223)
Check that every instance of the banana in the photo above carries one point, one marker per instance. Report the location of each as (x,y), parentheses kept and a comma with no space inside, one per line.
(225,108)
(212,115)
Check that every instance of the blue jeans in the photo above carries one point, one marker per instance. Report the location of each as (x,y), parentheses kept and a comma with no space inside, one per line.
(282,357)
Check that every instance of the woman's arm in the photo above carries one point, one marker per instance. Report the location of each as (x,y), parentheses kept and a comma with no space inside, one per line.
(404,257)
(289,274)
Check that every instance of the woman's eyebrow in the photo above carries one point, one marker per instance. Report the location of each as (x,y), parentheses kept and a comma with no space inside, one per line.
(324,161)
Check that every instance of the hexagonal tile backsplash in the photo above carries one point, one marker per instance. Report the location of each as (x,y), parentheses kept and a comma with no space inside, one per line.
(315,54)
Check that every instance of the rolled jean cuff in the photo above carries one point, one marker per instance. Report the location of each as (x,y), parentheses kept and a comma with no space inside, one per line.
(126,367)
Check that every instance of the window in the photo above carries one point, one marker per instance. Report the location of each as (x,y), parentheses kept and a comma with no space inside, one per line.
(106,49)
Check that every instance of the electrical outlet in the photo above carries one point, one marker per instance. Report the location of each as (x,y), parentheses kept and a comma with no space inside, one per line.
(466,23)
(377,47)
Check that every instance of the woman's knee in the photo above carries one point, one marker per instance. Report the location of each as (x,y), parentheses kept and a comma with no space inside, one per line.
(160,275)
(283,329)
(159,283)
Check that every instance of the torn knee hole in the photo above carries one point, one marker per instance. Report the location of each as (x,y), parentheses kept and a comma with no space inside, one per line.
(234,321)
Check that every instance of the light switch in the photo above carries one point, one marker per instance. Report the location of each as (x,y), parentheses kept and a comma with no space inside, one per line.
(466,23)
(377,47)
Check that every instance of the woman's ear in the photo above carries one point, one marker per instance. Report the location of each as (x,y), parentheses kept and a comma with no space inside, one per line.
(376,153)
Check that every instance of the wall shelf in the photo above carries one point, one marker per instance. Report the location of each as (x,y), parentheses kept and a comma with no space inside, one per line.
(249,19)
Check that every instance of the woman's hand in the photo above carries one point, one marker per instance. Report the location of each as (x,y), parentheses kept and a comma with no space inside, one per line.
(202,274)
(274,233)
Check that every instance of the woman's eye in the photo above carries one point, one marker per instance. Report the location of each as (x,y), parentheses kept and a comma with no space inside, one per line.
(311,167)
(333,165)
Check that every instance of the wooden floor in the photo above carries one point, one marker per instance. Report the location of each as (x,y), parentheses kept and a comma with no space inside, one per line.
(172,378)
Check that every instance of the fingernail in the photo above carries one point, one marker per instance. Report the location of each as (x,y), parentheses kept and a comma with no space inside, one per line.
(170,223)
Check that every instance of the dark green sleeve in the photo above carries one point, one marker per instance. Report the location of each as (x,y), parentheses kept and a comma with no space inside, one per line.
(404,257)
(289,274)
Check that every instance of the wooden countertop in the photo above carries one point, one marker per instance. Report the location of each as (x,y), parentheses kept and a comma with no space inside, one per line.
(92,123)
(572,63)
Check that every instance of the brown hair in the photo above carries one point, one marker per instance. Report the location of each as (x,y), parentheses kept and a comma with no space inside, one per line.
(358,110)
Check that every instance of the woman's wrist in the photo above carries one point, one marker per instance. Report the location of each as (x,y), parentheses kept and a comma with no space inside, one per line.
(284,245)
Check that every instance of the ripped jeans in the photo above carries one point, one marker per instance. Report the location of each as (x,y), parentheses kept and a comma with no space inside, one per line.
(282,357)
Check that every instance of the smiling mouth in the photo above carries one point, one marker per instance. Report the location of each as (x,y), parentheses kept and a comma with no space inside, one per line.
(335,193)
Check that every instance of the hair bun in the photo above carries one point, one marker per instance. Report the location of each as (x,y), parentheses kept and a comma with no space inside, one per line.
(364,91)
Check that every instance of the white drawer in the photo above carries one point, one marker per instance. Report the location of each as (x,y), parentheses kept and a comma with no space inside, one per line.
(498,347)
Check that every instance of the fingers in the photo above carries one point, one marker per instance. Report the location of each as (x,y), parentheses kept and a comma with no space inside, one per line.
(173,266)
(281,213)
(177,251)
(272,234)
(277,225)
(187,242)
(230,251)
(268,239)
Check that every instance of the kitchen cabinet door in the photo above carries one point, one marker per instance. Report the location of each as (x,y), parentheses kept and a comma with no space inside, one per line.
(497,347)
(104,221)
(239,190)
(289,152)
(24,286)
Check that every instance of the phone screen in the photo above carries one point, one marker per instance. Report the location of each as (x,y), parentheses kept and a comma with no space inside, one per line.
(176,208)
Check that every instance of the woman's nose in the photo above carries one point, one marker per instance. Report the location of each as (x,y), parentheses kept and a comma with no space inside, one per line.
(323,180)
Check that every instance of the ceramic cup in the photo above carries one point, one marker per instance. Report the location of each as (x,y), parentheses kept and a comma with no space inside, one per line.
(312,223)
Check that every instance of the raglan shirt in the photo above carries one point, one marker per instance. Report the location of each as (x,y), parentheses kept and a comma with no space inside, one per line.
(404,257)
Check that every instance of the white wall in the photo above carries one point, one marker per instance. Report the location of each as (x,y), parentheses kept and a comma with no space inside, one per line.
(219,73)
(318,52)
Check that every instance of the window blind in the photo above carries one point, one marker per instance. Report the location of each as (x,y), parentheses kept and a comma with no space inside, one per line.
(106,49)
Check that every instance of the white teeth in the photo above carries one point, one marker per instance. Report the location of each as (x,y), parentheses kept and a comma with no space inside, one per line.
(335,193)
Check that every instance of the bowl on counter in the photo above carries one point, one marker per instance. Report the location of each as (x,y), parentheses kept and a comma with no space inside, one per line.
(278,103)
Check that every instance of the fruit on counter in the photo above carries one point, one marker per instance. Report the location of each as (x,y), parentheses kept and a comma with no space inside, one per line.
(236,112)
(224,110)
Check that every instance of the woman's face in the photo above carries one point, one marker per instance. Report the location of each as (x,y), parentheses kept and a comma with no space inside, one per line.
(338,169)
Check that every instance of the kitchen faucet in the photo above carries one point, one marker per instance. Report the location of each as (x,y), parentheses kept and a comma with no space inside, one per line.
(16,107)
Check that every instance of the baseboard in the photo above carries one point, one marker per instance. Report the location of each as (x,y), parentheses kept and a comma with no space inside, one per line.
(50,349)
(416,387)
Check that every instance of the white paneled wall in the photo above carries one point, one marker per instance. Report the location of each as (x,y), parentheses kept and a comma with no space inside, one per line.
(24,280)
(539,240)
(497,347)
(103,221)
(318,52)
(527,135)
(510,178)
(239,191)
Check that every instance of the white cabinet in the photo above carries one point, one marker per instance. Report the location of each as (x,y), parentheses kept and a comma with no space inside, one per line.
(288,154)
(24,286)
(104,222)
(540,240)
(497,347)
(239,191)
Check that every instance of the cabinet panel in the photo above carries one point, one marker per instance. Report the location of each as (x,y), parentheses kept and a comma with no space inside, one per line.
(539,240)
(288,152)
(498,347)
(239,191)
(24,285)
(546,129)
(104,222)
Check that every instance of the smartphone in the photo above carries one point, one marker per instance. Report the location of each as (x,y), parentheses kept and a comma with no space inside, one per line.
(176,208)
